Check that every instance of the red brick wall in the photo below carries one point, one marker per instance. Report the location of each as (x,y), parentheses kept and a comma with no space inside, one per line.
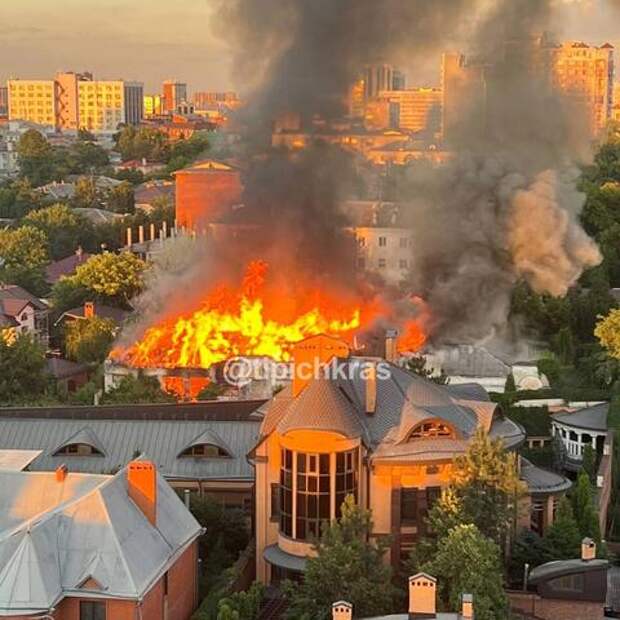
(182,597)
(201,197)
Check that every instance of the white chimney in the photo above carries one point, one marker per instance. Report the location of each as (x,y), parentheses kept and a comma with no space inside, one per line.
(588,549)
(342,610)
(467,607)
(423,595)
(129,237)
(370,381)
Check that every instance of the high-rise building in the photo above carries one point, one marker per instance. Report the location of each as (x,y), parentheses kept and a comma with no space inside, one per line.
(4,101)
(153,105)
(174,93)
(377,78)
(463,88)
(206,99)
(615,110)
(73,100)
(356,98)
(415,109)
(399,80)
(134,99)
(585,75)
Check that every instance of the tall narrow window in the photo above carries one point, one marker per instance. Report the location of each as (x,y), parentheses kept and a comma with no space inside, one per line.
(92,610)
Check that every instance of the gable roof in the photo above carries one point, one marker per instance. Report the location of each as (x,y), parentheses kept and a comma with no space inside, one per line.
(85,436)
(15,292)
(65,266)
(209,437)
(59,534)
(101,310)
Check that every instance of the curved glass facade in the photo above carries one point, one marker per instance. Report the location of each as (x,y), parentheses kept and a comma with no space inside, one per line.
(312,489)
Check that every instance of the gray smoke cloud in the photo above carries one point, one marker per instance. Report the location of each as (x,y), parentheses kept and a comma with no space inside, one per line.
(505,208)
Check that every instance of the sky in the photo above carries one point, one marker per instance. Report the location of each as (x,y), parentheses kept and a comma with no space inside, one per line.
(154,40)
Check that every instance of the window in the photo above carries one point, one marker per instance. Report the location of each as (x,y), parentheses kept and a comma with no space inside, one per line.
(404,242)
(409,506)
(567,583)
(382,263)
(319,482)
(382,242)
(431,430)
(275,501)
(165,583)
(402,263)
(361,242)
(205,450)
(78,449)
(92,610)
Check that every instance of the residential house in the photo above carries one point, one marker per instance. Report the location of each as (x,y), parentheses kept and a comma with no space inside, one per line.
(374,431)
(65,266)
(24,312)
(97,547)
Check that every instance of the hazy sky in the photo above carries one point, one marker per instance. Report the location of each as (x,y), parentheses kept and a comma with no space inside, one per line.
(154,40)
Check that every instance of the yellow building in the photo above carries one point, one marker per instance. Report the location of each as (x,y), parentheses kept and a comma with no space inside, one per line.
(376,432)
(585,74)
(153,105)
(33,100)
(101,105)
(73,101)
(615,110)
(415,109)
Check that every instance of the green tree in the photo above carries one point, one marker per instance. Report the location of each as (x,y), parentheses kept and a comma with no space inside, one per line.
(608,333)
(35,158)
(110,278)
(23,256)
(121,199)
(143,142)
(468,562)
(17,199)
(488,485)
(89,341)
(244,605)
(133,390)
(22,370)
(347,566)
(584,508)
(527,548)
(589,463)
(64,229)
(562,540)
(510,387)
(86,194)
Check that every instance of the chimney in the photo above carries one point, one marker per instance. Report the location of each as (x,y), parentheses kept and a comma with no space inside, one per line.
(370,382)
(61,473)
(89,309)
(390,345)
(311,353)
(142,487)
(342,611)
(588,549)
(467,607)
(422,595)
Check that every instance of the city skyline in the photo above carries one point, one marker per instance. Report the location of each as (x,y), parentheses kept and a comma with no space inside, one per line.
(155,41)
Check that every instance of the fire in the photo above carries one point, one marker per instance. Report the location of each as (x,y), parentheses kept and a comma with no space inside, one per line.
(256,319)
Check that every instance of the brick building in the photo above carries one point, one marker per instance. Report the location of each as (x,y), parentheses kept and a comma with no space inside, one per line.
(93,547)
(205,192)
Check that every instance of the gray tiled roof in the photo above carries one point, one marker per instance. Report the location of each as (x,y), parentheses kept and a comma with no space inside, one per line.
(541,480)
(121,440)
(591,418)
(403,401)
(57,534)
(559,568)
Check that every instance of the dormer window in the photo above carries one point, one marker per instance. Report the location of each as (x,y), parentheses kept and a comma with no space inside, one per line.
(205,450)
(431,430)
(78,449)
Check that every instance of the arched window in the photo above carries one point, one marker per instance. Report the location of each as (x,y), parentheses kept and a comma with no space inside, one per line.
(78,449)
(431,429)
(205,450)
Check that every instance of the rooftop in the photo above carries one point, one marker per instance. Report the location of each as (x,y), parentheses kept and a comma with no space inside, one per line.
(59,534)
(592,418)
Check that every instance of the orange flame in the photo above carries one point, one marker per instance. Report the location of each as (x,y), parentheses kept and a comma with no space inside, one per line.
(246,322)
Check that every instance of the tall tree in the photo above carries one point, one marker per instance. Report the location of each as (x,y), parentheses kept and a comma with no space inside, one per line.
(23,256)
(64,229)
(562,539)
(584,508)
(22,370)
(89,341)
(468,562)
(35,158)
(347,566)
